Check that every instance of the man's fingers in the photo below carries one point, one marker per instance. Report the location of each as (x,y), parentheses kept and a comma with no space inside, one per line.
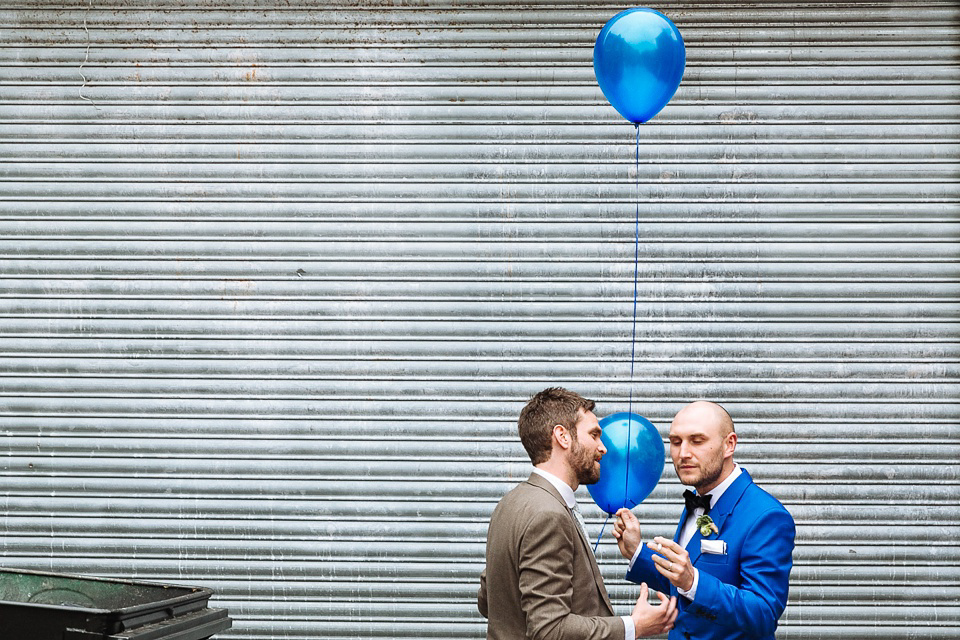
(660,543)
(644,592)
(664,567)
(658,547)
(668,550)
(672,605)
(668,614)
(661,562)
(662,571)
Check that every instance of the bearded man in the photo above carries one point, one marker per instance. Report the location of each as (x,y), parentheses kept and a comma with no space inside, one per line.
(730,559)
(541,580)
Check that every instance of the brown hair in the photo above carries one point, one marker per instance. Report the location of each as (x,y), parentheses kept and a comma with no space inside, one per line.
(546,409)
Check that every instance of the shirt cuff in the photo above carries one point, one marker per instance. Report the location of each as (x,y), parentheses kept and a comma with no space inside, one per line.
(636,554)
(629,630)
(691,593)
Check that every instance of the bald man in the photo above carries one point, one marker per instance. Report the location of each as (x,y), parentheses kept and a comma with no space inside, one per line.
(730,559)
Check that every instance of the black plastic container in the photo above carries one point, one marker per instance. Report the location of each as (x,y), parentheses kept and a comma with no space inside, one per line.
(50,606)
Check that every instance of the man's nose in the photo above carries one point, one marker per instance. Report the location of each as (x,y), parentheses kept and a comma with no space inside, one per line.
(601,449)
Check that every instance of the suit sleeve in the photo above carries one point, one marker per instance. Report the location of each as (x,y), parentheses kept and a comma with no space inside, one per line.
(482,594)
(765,562)
(643,571)
(546,584)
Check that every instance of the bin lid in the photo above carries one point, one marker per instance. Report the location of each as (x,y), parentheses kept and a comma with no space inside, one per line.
(51,605)
(91,593)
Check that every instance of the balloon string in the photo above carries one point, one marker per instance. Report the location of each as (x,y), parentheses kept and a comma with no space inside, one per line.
(633,333)
(601,534)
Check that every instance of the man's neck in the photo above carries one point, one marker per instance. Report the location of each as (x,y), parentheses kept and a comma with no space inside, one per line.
(561,472)
(719,481)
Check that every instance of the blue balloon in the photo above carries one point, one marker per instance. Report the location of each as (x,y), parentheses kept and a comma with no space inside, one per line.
(632,466)
(638,60)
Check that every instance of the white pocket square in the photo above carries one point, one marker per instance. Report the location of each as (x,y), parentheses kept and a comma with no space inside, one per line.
(715,547)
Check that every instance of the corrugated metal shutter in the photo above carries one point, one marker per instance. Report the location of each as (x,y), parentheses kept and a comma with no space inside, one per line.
(276,283)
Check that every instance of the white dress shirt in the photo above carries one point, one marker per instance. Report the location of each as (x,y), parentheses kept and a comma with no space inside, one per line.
(630,630)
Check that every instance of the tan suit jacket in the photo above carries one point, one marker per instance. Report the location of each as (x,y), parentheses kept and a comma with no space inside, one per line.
(541,580)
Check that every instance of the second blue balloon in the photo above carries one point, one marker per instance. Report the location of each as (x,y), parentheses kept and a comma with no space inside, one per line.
(632,466)
(638,60)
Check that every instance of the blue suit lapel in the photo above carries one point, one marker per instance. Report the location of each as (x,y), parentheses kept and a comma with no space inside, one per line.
(728,501)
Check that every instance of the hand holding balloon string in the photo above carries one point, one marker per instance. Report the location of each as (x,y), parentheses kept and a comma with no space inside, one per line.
(670,559)
(626,531)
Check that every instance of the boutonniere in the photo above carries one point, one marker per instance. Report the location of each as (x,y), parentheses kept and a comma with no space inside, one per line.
(706,526)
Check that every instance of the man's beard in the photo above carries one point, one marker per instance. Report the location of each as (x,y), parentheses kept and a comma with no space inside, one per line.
(584,465)
(710,473)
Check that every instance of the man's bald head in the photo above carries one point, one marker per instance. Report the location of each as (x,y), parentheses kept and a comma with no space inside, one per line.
(708,412)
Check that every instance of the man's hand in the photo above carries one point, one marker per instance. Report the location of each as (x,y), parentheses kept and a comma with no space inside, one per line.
(626,530)
(673,563)
(650,619)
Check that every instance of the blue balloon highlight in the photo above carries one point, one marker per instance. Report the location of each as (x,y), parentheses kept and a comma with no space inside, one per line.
(632,466)
(639,59)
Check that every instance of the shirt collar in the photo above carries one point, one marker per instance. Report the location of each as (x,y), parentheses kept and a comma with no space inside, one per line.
(723,486)
(565,491)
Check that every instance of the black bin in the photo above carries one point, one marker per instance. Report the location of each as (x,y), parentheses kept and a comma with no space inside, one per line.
(50,606)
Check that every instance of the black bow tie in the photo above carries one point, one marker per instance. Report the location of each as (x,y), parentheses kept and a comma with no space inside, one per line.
(693,501)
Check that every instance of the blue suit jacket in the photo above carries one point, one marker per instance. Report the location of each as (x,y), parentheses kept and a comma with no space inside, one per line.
(742,594)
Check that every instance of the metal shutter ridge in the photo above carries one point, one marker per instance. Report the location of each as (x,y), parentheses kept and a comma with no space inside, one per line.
(276,283)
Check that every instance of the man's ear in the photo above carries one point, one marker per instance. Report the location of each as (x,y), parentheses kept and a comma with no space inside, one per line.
(562,436)
(730,444)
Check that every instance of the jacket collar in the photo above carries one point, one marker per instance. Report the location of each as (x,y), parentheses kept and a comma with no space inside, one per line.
(730,498)
(539,481)
(569,498)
